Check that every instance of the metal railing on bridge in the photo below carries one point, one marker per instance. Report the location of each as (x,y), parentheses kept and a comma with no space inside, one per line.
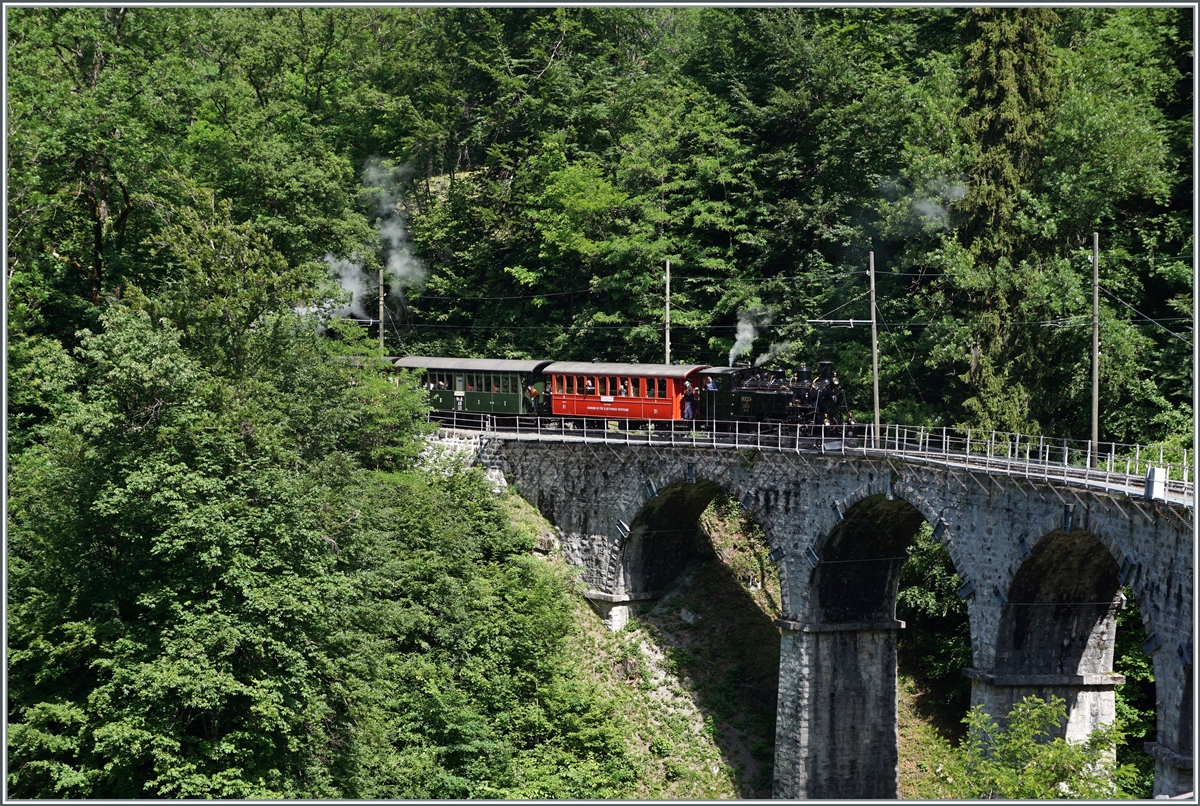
(1136,470)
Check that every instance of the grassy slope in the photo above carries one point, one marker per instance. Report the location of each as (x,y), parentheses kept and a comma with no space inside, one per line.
(922,744)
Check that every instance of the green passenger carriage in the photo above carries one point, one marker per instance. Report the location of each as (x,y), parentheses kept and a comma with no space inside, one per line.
(488,385)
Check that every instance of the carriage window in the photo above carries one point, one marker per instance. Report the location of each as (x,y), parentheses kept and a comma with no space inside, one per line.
(558,384)
(570,384)
(636,387)
(649,386)
(662,387)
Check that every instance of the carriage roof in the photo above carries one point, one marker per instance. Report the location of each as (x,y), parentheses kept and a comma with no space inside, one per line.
(470,364)
(646,370)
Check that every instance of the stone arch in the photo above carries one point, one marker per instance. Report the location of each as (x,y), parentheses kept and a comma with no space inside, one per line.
(844,545)
(842,650)
(1060,613)
(1056,634)
(659,534)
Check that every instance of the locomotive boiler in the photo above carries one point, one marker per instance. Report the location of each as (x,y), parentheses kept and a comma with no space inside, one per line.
(751,394)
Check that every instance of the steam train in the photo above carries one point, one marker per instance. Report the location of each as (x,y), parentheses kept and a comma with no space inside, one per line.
(704,395)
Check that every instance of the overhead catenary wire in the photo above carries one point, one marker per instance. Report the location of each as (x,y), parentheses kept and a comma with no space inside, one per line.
(751,281)
(1147,318)
(888,330)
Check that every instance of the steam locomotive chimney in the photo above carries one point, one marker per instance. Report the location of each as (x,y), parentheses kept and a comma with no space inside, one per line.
(826,372)
(804,374)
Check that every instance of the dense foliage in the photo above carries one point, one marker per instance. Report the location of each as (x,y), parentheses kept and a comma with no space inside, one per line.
(1020,760)
(936,644)
(224,578)
(210,593)
(546,163)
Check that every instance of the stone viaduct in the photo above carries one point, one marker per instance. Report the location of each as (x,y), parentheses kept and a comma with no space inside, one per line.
(1044,565)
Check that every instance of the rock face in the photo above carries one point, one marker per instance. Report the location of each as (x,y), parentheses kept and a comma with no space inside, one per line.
(1042,583)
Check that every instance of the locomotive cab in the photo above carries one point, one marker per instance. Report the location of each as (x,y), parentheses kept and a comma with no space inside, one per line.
(715,387)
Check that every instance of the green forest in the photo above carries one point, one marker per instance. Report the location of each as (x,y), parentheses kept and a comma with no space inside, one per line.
(229,572)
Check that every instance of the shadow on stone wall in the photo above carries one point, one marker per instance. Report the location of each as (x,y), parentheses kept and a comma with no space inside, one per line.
(715,629)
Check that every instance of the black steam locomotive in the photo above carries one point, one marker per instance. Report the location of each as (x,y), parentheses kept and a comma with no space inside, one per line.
(745,393)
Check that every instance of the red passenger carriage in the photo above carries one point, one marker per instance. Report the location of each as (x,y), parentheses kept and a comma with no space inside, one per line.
(619,391)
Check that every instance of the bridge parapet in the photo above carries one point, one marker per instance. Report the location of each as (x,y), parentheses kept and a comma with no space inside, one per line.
(1148,472)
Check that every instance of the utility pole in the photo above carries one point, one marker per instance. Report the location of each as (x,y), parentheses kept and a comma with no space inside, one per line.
(1096,349)
(874,354)
(667,326)
(382,350)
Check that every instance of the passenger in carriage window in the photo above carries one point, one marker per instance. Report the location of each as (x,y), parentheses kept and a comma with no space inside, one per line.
(589,387)
(624,389)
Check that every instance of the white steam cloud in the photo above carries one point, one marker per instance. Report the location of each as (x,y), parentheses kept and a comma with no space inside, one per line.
(384,182)
(352,278)
(399,263)
(747,330)
(929,203)
(772,352)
